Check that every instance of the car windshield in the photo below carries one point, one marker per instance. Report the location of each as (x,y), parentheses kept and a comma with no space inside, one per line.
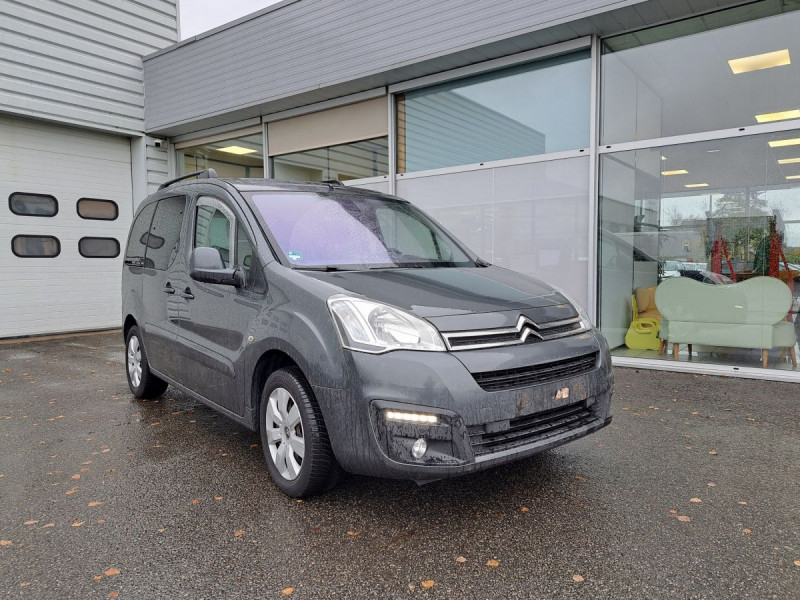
(339,231)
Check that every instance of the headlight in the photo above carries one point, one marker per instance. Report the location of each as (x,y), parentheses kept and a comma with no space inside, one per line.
(374,327)
(585,320)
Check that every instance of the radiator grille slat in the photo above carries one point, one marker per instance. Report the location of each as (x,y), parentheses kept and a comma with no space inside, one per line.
(493,381)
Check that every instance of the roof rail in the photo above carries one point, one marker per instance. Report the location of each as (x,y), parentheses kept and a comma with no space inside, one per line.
(332,182)
(204,174)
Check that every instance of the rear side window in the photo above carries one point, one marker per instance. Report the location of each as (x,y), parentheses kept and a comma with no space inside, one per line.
(35,246)
(162,241)
(33,205)
(100,210)
(97,247)
(137,242)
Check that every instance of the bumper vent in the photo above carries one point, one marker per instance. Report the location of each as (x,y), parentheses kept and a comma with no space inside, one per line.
(531,428)
(495,381)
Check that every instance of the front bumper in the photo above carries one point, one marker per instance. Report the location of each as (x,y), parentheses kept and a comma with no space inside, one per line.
(476,429)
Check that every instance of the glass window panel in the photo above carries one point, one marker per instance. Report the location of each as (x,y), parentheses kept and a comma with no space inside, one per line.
(137,242)
(33,205)
(717,71)
(531,218)
(235,157)
(35,246)
(162,240)
(718,212)
(358,160)
(96,247)
(213,230)
(521,111)
(102,210)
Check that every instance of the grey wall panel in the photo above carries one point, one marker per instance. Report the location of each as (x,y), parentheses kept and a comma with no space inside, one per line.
(157,166)
(80,61)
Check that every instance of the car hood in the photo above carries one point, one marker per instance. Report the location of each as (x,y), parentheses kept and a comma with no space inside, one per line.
(443,292)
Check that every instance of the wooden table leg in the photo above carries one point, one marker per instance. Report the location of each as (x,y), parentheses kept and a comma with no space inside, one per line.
(675,348)
(764,358)
(793,356)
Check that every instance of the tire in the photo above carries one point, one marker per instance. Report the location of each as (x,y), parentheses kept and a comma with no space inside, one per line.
(294,438)
(141,380)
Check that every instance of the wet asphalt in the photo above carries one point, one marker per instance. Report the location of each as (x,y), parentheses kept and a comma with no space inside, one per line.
(692,492)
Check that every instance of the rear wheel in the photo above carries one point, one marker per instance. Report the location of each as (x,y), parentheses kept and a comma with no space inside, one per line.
(294,437)
(141,380)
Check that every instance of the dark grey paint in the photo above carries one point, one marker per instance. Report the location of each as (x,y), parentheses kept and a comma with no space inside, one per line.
(214,339)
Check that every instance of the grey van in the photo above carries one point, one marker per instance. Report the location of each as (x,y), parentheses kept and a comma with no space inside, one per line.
(352,331)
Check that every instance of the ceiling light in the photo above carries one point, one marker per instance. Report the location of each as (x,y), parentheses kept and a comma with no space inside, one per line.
(788,161)
(237,150)
(675,172)
(717,150)
(782,143)
(779,116)
(793,177)
(759,61)
(663,158)
(695,185)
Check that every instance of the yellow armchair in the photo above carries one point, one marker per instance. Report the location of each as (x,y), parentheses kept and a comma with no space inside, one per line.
(643,331)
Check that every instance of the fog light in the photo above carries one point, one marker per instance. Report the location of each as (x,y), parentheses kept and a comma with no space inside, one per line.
(409,417)
(419,448)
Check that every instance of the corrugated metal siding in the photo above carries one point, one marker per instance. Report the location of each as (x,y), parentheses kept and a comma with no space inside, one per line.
(79,61)
(157,166)
(68,292)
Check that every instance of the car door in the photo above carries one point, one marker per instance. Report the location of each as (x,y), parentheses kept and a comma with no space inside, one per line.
(161,308)
(216,318)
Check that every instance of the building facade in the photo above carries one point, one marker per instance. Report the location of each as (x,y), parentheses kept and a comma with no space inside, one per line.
(606,146)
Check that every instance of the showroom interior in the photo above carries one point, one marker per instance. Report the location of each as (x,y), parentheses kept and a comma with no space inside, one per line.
(607,166)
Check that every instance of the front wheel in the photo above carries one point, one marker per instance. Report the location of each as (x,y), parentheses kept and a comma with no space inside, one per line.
(141,380)
(294,438)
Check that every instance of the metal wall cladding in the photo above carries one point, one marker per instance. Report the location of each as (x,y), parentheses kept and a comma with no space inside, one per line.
(80,61)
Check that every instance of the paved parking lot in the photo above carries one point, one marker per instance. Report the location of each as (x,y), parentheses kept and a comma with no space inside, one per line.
(692,492)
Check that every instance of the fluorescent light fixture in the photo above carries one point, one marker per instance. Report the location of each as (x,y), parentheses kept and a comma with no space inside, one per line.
(788,161)
(695,185)
(409,417)
(237,150)
(782,143)
(779,116)
(663,158)
(757,62)
(675,172)
(716,150)
(793,177)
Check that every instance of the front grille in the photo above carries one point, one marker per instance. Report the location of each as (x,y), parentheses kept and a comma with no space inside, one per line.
(524,331)
(507,379)
(531,428)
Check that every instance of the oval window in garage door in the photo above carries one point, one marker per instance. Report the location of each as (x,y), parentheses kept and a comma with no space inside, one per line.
(97,247)
(33,205)
(35,246)
(101,210)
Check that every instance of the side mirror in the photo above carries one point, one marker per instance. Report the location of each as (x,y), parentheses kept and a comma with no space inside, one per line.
(207,267)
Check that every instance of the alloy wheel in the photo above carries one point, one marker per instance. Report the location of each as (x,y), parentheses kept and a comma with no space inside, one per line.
(135,361)
(285,433)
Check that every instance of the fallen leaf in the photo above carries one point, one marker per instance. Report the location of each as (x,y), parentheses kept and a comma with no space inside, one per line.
(195,500)
(254,445)
(156,423)
(713,452)
(6,543)
(238,533)
(217,498)
(684,518)
(114,594)
(695,500)
(78,523)
(93,504)
(412,587)
(48,525)
(672,511)
(743,503)
(428,584)
(31,522)
(525,509)
(492,563)
(746,531)
(76,476)
(111,572)
(577,578)
(97,577)
(101,521)
(287,591)
(797,563)
(25,584)
(461,560)
(712,484)
(581,478)
(352,533)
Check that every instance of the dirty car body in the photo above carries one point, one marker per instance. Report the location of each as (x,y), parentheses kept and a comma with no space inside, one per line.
(388,346)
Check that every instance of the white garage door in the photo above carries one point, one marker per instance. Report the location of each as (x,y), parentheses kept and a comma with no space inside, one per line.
(59,272)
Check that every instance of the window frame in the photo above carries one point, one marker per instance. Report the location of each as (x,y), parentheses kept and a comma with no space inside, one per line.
(30,235)
(91,237)
(50,196)
(78,210)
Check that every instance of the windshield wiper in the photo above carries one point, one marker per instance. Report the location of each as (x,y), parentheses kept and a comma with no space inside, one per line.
(317,268)
(482,263)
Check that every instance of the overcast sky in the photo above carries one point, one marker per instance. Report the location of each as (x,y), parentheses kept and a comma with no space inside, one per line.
(198,16)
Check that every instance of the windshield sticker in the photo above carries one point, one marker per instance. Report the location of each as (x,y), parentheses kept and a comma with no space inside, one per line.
(294,255)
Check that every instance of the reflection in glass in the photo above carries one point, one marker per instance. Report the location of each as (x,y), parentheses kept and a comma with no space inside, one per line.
(716,71)
(531,218)
(743,223)
(525,110)
(357,160)
(236,157)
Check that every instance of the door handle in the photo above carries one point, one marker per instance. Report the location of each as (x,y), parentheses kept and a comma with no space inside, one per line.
(187,293)
(169,289)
